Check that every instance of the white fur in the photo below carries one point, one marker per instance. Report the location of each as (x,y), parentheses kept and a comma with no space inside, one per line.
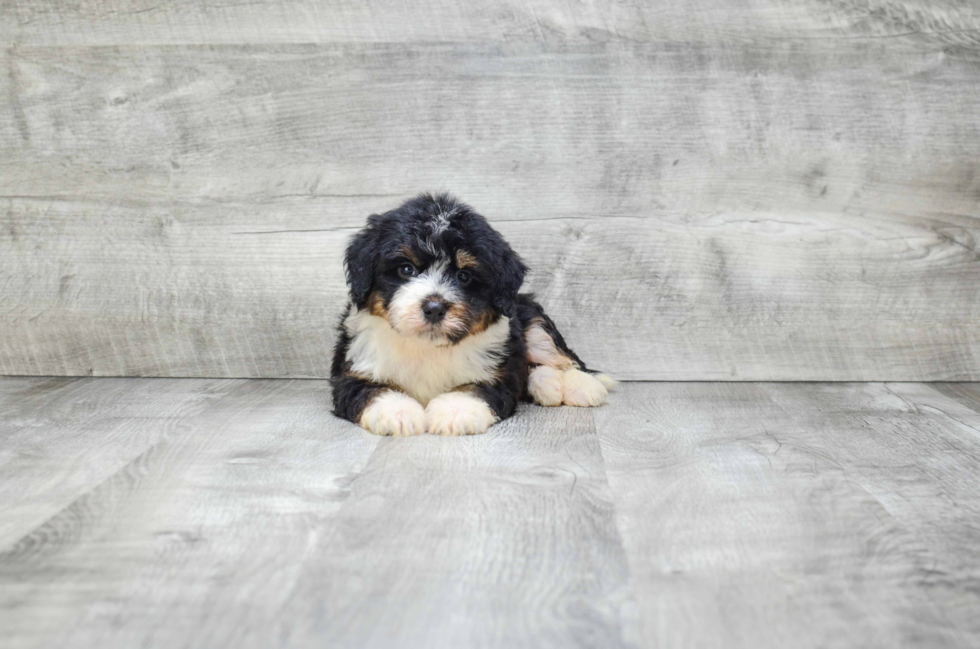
(541,349)
(607,381)
(440,225)
(394,413)
(405,310)
(458,413)
(421,367)
(581,389)
(545,385)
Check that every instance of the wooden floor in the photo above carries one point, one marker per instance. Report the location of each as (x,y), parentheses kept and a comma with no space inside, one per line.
(233,513)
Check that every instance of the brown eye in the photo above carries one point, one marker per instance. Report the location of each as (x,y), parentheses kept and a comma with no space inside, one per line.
(463,277)
(407,271)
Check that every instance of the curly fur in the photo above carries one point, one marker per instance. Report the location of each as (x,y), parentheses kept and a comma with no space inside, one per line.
(468,364)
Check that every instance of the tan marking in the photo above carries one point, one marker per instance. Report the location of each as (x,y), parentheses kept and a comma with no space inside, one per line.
(376,305)
(499,375)
(470,388)
(465,260)
(541,348)
(364,377)
(458,320)
(481,324)
(410,255)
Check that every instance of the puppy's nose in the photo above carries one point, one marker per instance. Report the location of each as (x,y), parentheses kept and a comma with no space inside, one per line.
(434,310)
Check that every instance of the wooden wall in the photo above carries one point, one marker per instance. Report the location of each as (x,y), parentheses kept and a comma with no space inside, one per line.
(712,189)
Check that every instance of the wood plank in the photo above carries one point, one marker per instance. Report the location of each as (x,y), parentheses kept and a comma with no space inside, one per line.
(967,394)
(204,299)
(59,438)
(750,525)
(258,526)
(505,539)
(594,129)
(938,400)
(91,22)
(200,538)
(706,514)
(918,453)
(808,214)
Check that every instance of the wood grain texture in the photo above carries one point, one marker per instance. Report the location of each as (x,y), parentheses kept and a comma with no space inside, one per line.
(780,209)
(196,542)
(264,523)
(500,540)
(681,514)
(967,394)
(754,520)
(60,438)
(916,451)
(118,22)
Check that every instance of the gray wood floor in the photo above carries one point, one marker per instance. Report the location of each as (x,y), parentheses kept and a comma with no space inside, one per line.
(240,513)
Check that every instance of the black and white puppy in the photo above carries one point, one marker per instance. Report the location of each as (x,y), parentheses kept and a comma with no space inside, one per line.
(436,337)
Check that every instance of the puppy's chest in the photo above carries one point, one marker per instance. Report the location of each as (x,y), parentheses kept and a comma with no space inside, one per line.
(422,369)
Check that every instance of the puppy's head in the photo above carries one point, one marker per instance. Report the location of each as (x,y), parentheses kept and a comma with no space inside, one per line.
(434,269)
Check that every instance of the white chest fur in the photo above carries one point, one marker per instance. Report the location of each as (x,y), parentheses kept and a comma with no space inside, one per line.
(419,367)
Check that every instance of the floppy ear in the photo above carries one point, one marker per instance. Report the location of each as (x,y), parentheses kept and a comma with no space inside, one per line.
(359,264)
(510,278)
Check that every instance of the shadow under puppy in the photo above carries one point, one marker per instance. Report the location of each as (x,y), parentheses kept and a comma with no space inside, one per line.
(436,337)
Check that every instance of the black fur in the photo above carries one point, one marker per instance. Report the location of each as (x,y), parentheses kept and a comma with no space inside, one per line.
(360,262)
(350,393)
(375,253)
(511,386)
(408,234)
(528,311)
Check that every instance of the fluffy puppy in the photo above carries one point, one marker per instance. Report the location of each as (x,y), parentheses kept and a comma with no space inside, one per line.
(436,337)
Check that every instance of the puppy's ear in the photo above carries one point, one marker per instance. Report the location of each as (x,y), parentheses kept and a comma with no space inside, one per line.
(360,262)
(510,277)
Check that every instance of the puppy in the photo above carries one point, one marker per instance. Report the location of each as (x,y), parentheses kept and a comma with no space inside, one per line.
(436,337)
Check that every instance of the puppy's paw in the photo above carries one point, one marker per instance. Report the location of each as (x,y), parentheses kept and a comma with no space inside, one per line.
(394,413)
(608,381)
(581,389)
(458,413)
(544,384)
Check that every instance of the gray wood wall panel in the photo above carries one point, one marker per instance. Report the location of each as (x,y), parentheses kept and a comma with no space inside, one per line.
(772,193)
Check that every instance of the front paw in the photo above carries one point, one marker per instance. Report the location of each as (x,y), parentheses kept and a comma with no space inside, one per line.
(394,413)
(581,389)
(458,413)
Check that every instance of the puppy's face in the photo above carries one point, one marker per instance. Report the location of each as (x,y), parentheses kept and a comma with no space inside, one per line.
(434,269)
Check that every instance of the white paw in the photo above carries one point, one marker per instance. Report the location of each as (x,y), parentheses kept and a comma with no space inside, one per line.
(458,413)
(581,389)
(545,386)
(394,413)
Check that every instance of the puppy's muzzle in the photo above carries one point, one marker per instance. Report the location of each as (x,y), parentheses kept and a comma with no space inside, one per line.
(434,310)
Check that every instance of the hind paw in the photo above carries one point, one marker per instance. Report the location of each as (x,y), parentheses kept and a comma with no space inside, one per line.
(583,390)
(544,384)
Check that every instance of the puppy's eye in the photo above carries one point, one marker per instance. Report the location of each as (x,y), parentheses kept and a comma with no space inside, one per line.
(407,271)
(463,277)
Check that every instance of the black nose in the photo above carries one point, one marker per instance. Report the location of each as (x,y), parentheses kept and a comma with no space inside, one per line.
(434,310)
